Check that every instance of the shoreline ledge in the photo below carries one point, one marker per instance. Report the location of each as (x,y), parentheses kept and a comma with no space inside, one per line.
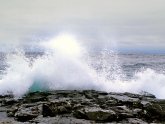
(81,107)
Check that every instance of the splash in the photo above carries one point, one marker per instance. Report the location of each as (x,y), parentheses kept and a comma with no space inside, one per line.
(65,66)
(65,44)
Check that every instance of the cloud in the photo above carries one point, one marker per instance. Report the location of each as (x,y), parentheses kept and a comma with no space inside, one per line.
(124,23)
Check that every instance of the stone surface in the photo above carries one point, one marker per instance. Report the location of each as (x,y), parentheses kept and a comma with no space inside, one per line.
(82,107)
(24,113)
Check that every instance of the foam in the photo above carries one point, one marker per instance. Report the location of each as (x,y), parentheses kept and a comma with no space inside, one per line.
(58,69)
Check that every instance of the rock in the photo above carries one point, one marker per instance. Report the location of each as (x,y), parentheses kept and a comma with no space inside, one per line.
(47,111)
(132,95)
(137,112)
(136,121)
(11,112)
(55,108)
(122,112)
(80,114)
(100,114)
(161,103)
(88,106)
(90,94)
(61,120)
(96,114)
(122,116)
(9,101)
(25,114)
(35,97)
(123,98)
(9,95)
(154,111)
(146,94)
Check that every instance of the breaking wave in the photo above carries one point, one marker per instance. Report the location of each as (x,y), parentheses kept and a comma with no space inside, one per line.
(67,65)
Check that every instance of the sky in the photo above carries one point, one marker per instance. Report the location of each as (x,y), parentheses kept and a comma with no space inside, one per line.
(125,25)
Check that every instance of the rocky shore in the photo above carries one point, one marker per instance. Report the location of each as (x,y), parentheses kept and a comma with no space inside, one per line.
(81,107)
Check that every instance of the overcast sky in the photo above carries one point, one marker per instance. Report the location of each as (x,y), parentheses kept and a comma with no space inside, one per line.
(124,24)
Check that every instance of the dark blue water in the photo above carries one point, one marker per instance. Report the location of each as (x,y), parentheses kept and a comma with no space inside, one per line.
(128,64)
(131,63)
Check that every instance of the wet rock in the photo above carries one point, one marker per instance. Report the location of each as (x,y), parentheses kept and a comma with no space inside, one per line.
(88,106)
(154,111)
(149,95)
(122,112)
(8,95)
(131,95)
(161,103)
(100,115)
(11,112)
(55,108)
(61,120)
(47,111)
(96,114)
(35,97)
(124,98)
(90,94)
(9,101)
(137,112)
(136,121)
(25,114)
